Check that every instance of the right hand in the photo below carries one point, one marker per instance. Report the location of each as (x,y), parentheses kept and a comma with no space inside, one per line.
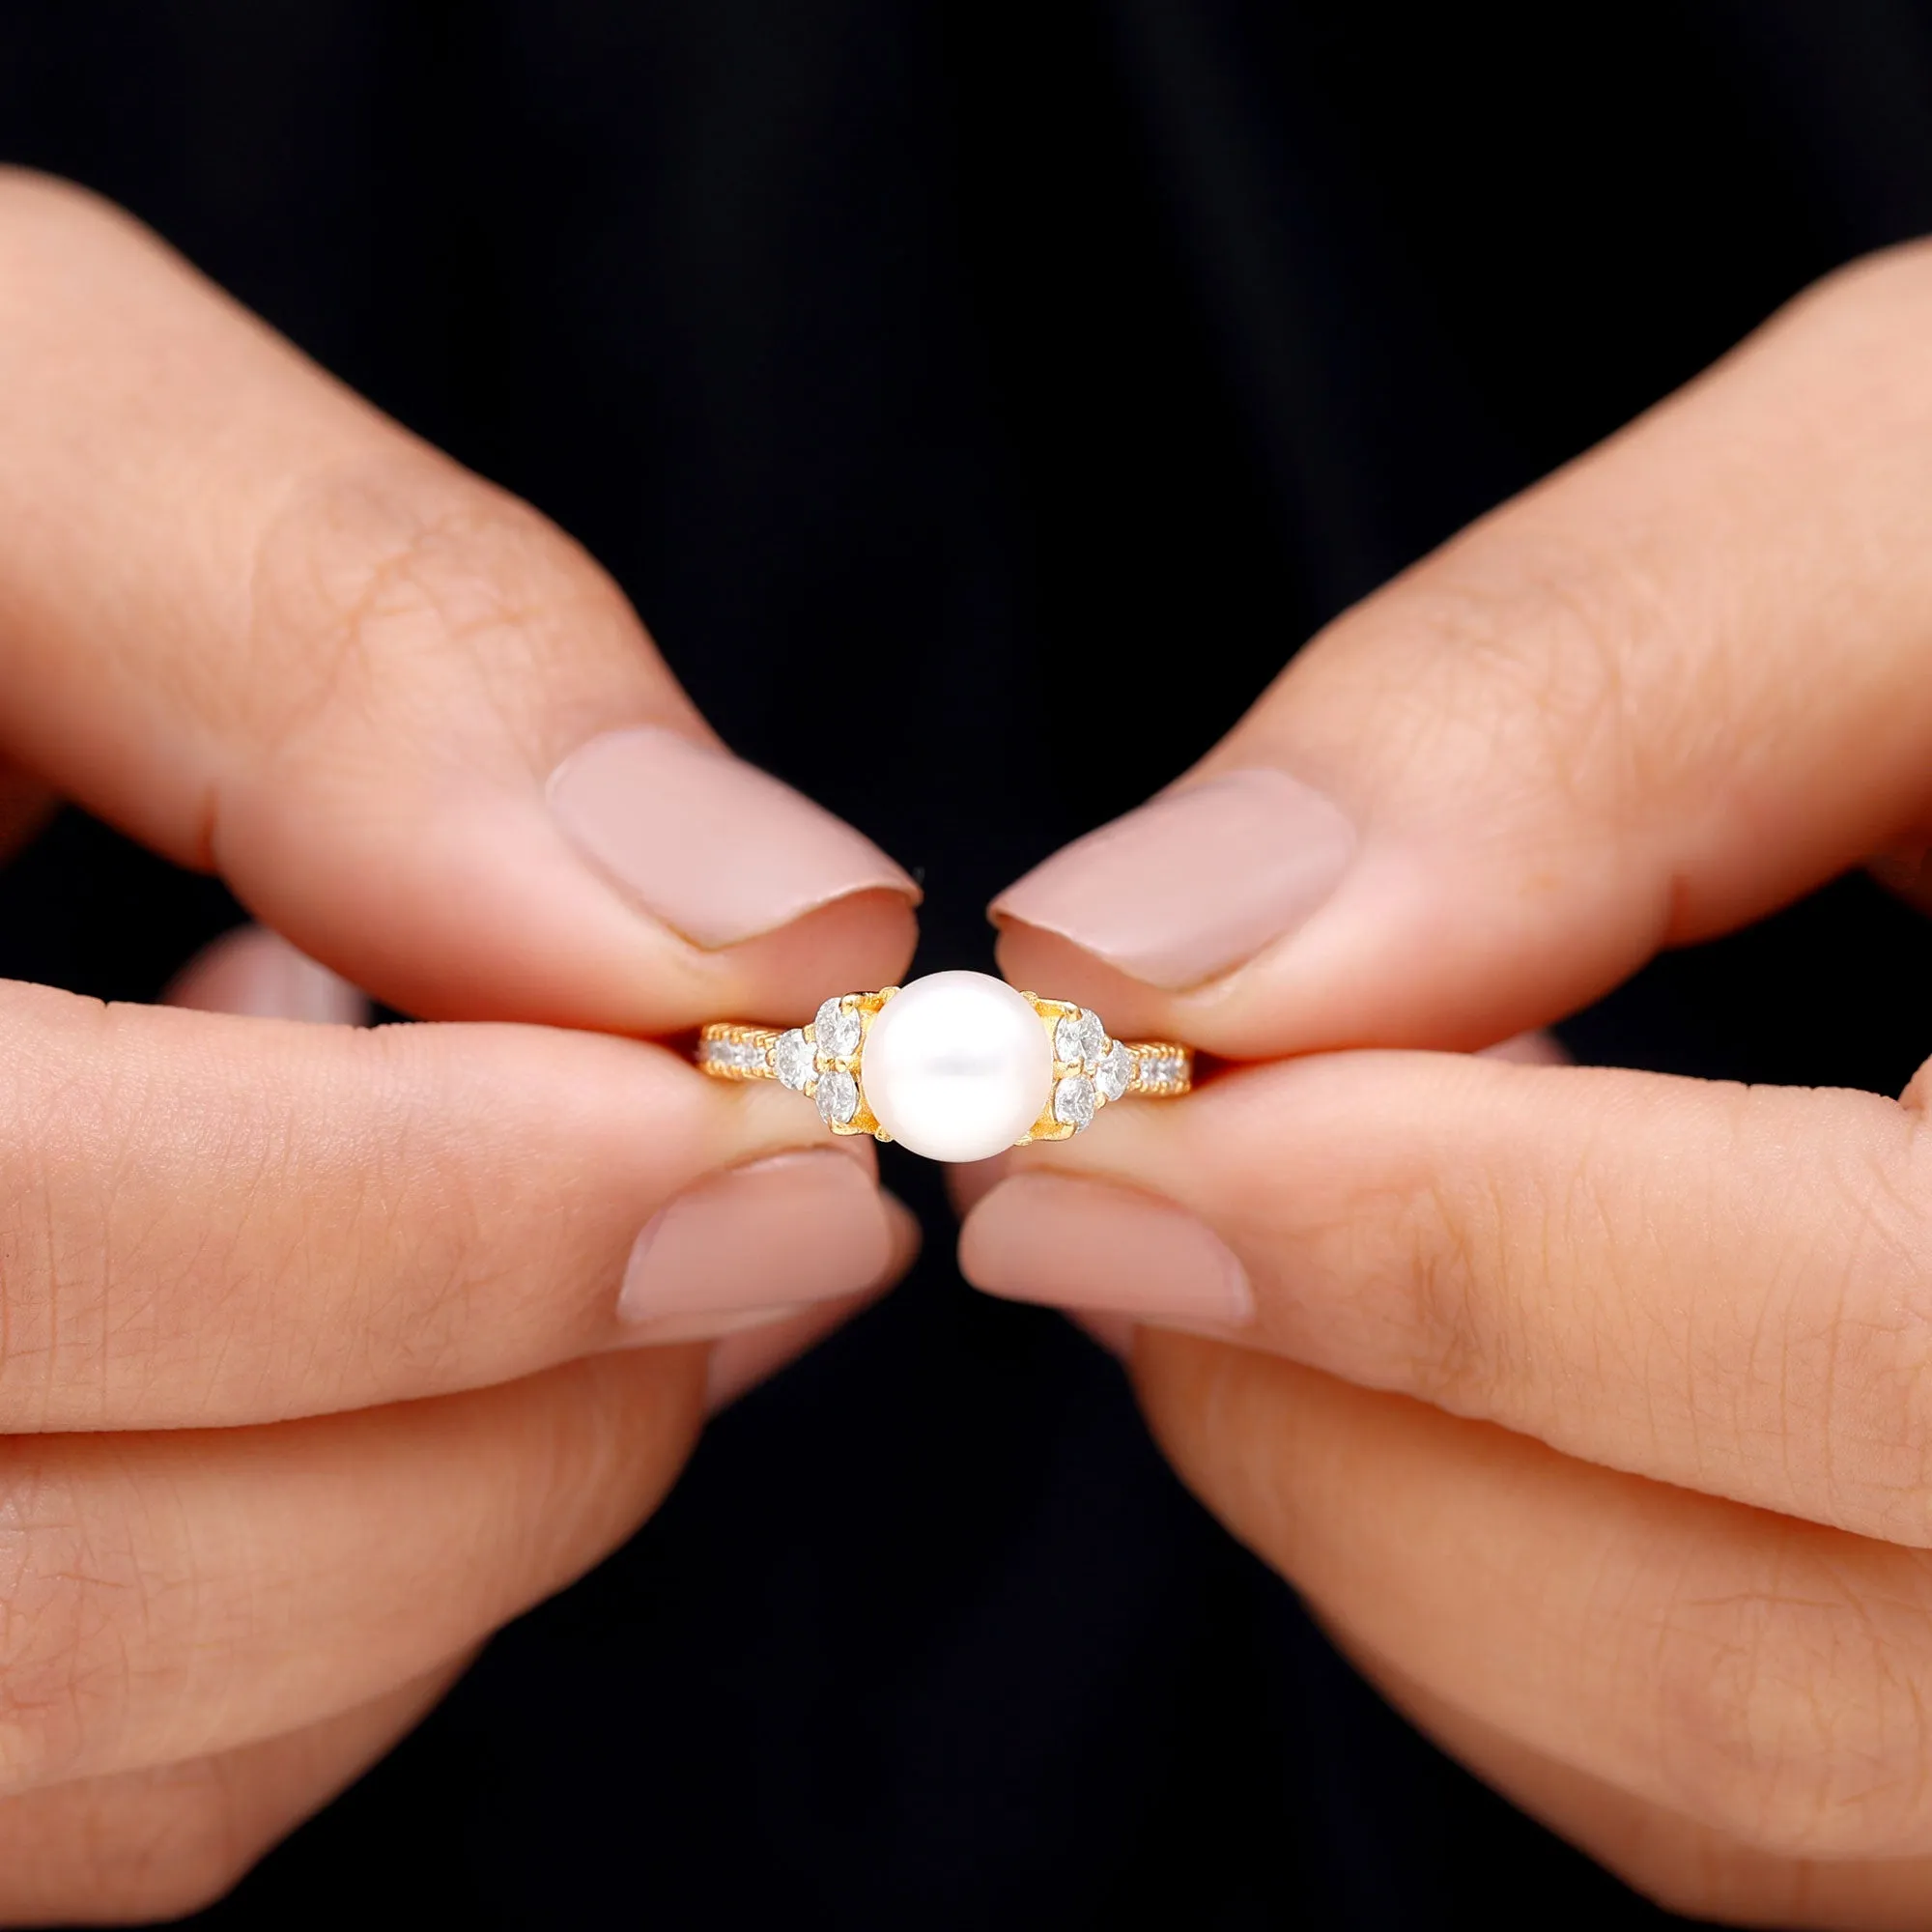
(1587,1407)
(322,1349)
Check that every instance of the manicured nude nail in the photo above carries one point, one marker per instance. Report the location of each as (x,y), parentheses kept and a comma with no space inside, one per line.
(1113,1330)
(797,1227)
(1194,883)
(1074,1243)
(717,849)
(743,1360)
(257,972)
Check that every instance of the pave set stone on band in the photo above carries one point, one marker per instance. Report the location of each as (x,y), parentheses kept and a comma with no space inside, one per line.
(956,1066)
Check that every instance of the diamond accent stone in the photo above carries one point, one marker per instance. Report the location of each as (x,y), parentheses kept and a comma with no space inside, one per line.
(792,1057)
(837,1030)
(1080,1038)
(1116,1072)
(1159,1070)
(741,1055)
(838,1097)
(1075,1099)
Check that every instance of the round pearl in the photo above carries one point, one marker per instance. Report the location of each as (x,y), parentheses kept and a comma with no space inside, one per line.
(957,1066)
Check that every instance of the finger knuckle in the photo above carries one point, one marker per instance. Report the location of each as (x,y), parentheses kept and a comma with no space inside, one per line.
(54,1117)
(1853,1378)
(1827,1354)
(77,1603)
(1555,671)
(427,1265)
(378,572)
(115,1279)
(1469,1252)
(1791,1711)
(1460,1351)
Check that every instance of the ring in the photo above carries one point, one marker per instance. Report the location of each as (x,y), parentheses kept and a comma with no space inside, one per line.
(956,1066)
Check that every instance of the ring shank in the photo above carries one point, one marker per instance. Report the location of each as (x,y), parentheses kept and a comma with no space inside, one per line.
(1163,1069)
(731,1050)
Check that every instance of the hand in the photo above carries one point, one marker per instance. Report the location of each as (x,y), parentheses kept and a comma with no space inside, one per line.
(320,1347)
(1592,1410)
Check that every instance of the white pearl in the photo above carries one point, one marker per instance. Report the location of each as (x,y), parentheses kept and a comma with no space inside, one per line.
(957,1066)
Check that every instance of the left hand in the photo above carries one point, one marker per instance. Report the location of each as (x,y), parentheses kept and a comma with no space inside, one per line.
(324,1351)
(1591,1410)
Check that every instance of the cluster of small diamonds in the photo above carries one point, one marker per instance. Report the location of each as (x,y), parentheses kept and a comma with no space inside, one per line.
(808,1060)
(1097,1070)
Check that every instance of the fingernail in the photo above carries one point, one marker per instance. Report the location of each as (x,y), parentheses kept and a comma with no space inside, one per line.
(717,849)
(1074,1243)
(1541,1048)
(742,1361)
(968,1183)
(258,973)
(797,1227)
(1112,1330)
(1194,883)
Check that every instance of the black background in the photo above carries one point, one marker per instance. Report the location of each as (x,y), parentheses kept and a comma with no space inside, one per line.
(984,341)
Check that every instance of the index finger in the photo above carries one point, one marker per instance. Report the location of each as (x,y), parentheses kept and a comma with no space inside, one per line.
(1715,1286)
(213,1221)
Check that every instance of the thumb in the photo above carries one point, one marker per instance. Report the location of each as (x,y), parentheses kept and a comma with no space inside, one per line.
(1674,687)
(421,734)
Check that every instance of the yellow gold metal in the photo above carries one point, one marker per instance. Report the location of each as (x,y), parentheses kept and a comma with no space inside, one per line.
(1051,1012)
(1173,1067)
(728,1051)
(864,1121)
(1166,1070)
(731,1050)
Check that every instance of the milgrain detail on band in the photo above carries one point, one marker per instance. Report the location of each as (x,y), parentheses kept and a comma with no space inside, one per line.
(728,1051)
(1089,1070)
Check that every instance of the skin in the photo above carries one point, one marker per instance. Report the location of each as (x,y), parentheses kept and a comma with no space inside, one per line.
(310,1364)
(1630,1368)
(1589,1409)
